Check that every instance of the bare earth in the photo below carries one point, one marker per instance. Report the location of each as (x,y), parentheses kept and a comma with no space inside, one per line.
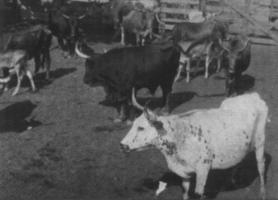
(61,144)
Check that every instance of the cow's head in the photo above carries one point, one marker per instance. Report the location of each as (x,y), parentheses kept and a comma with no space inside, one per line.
(234,47)
(145,131)
(74,31)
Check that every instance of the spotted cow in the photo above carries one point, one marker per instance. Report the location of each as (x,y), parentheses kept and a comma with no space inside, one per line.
(192,142)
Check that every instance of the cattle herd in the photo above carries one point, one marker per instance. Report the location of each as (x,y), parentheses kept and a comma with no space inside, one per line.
(191,142)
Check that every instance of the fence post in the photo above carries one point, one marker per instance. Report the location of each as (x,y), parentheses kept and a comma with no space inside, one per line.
(202,7)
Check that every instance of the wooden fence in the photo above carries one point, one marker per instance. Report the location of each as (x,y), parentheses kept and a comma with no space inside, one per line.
(176,11)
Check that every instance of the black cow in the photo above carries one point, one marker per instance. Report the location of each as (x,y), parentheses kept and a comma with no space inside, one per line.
(55,15)
(119,70)
(65,28)
(36,41)
(238,53)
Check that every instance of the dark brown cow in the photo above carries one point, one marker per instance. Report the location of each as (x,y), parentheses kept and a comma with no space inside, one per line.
(238,53)
(134,17)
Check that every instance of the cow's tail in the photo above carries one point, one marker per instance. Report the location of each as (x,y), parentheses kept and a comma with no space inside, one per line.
(79,53)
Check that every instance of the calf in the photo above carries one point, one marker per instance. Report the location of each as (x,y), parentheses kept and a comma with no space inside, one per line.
(121,69)
(201,35)
(238,53)
(192,142)
(199,50)
(16,62)
(36,42)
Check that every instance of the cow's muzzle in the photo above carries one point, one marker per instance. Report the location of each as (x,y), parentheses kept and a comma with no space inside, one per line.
(124,148)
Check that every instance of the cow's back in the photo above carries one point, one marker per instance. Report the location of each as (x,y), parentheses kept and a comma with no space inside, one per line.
(145,66)
(234,124)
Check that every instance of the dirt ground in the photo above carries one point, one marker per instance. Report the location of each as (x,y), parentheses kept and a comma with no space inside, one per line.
(61,144)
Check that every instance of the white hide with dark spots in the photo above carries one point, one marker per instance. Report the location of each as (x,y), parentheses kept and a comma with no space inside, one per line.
(206,139)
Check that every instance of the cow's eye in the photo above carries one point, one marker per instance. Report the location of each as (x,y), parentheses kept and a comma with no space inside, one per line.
(140,128)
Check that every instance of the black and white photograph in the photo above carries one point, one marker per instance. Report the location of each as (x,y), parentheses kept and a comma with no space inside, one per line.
(138,99)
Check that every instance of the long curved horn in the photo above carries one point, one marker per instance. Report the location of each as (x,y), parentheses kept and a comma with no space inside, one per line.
(82,16)
(66,16)
(5,80)
(134,102)
(158,20)
(79,53)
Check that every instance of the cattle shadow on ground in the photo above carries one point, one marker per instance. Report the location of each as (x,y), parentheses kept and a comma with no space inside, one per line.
(234,178)
(179,98)
(13,117)
(41,82)
(153,103)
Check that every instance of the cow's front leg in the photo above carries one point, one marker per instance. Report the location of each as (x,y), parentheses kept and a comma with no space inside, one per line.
(138,42)
(38,62)
(208,60)
(201,176)
(188,63)
(185,187)
(207,63)
(219,63)
(122,113)
(47,62)
(19,79)
(122,35)
(178,75)
(166,89)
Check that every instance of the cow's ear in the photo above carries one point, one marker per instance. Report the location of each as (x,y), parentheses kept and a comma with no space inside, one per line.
(150,116)
(159,127)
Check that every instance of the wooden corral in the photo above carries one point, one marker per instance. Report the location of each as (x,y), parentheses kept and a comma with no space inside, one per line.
(249,17)
(176,11)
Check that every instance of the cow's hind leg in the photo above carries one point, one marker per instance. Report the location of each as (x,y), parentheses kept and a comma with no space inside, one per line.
(188,67)
(261,168)
(30,76)
(19,79)
(259,149)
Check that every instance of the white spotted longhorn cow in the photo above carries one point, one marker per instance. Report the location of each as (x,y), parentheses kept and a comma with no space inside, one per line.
(201,140)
